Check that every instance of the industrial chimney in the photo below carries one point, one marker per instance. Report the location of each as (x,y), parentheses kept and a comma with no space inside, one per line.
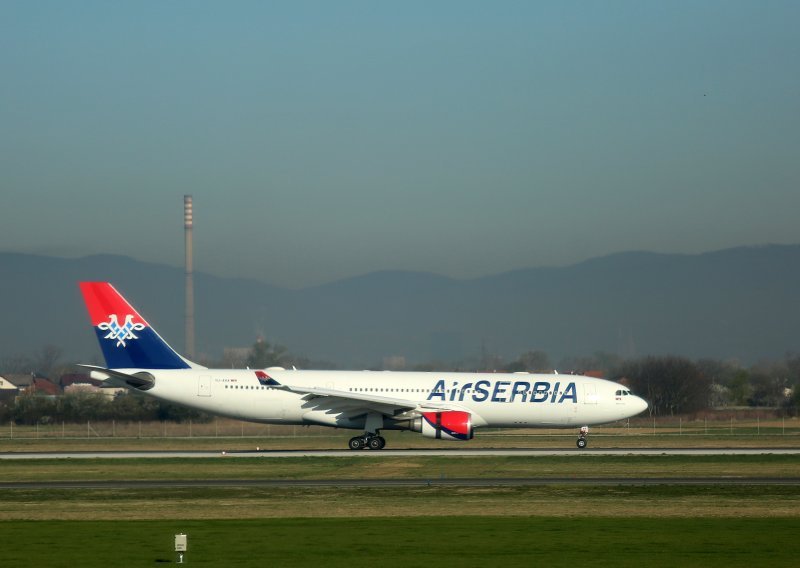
(188,220)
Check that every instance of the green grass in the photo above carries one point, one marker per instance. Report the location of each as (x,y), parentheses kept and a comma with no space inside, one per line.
(403,541)
(414,467)
(553,500)
(551,525)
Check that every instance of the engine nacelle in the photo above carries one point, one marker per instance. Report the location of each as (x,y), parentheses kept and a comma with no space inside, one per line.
(446,425)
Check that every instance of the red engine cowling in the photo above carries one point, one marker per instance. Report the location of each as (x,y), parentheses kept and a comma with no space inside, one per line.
(447,425)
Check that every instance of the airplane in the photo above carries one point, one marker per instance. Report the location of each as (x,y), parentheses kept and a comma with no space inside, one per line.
(440,405)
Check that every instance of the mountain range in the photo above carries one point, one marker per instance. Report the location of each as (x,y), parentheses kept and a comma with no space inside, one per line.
(741,303)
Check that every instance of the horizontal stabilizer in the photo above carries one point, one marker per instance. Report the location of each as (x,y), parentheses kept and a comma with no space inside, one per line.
(139,381)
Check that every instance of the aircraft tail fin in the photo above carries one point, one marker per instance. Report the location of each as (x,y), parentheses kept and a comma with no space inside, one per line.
(126,339)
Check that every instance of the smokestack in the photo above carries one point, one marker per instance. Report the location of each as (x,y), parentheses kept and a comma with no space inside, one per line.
(188,221)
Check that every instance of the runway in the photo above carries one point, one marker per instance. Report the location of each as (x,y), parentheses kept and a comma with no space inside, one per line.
(455,452)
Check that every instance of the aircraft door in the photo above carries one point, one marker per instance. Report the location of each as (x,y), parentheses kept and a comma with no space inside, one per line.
(204,385)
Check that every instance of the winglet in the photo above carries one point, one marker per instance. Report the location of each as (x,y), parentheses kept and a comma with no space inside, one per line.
(266,380)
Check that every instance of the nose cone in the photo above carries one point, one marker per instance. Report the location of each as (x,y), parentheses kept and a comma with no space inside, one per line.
(639,405)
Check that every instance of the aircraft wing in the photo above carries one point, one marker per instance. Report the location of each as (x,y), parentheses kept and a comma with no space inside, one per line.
(339,400)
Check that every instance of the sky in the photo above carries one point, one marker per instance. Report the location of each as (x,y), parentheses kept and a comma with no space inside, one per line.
(323,140)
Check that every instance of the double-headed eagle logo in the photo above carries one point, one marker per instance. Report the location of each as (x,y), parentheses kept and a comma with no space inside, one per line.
(123,332)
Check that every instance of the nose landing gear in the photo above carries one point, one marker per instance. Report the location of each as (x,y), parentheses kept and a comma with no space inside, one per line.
(582,441)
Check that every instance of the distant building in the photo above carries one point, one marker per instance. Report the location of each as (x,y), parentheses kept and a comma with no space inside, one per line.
(78,378)
(8,390)
(108,392)
(82,382)
(43,386)
(19,380)
(81,387)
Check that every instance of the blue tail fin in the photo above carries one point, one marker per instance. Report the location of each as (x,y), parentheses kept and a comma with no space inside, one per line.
(126,339)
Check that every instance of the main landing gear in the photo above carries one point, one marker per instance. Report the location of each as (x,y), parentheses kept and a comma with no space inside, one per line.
(582,441)
(370,439)
(367,441)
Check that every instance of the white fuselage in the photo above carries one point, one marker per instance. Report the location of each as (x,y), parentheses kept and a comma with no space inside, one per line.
(492,399)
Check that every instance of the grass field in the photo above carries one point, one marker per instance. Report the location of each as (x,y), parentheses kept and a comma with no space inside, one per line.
(367,465)
(752,524)
(408,541)
(235,503)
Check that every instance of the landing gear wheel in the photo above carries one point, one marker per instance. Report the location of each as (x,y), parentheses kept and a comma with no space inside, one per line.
(582,441)
(376,443)
(356,443)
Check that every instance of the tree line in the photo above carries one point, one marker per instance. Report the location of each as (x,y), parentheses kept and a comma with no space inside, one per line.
(677,385)
(81,406)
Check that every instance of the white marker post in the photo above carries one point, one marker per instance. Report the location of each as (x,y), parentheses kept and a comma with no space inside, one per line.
(180,546)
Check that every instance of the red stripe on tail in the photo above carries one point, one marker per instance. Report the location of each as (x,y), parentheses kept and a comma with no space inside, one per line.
(103,300)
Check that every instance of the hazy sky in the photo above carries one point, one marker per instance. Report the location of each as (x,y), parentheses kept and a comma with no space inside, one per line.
(327,139)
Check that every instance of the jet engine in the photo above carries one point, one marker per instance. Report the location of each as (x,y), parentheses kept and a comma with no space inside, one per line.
(445,425)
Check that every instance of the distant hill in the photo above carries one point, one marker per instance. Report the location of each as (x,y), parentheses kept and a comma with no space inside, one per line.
(741,303)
